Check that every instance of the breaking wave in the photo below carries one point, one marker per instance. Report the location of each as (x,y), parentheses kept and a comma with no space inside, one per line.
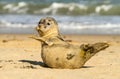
(60,8)
(78,28)
(74,28)
(6,24)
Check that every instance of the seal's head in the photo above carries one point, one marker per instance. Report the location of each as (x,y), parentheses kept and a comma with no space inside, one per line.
(47,27)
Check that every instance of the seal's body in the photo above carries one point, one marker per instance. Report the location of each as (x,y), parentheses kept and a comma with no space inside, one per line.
(59,53)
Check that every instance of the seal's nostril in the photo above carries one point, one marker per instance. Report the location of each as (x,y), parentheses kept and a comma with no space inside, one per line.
(39,22)
(48,23)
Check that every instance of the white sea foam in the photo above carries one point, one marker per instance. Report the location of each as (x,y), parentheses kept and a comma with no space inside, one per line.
(21,7)
(72,28)
(6,24)
(77,28)
(55,6)
(103,7)
(88,26)
(8,6)
(22,4)
(60,8)
(66,25)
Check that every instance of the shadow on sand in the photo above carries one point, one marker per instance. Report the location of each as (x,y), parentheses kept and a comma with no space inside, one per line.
(44,65)
(34,63)
(87,66)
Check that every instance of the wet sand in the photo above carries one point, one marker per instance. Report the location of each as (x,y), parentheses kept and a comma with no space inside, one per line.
(20,59)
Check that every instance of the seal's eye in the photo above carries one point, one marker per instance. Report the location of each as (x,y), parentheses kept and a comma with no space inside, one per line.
(49,20)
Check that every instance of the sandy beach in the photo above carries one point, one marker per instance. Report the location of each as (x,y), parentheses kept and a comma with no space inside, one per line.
(20,59)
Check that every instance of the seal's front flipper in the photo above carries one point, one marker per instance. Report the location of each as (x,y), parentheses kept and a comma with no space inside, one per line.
(38,38)
(42,40)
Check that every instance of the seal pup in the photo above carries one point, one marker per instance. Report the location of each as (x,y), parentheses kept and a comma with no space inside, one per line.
(56,52)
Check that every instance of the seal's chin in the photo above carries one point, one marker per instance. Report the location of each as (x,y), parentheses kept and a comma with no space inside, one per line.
(38,30)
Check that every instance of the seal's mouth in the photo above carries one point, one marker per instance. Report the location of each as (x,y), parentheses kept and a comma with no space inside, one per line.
(38,30)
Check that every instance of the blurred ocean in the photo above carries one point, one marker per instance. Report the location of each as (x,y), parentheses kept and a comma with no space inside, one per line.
(78,17)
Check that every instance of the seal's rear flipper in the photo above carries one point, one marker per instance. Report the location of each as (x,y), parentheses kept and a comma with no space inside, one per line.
(99,46)
(92,49)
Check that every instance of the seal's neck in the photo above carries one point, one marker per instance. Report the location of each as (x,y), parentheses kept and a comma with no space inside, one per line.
(51,34)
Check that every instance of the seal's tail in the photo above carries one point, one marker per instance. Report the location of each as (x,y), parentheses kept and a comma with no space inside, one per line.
(91,50)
